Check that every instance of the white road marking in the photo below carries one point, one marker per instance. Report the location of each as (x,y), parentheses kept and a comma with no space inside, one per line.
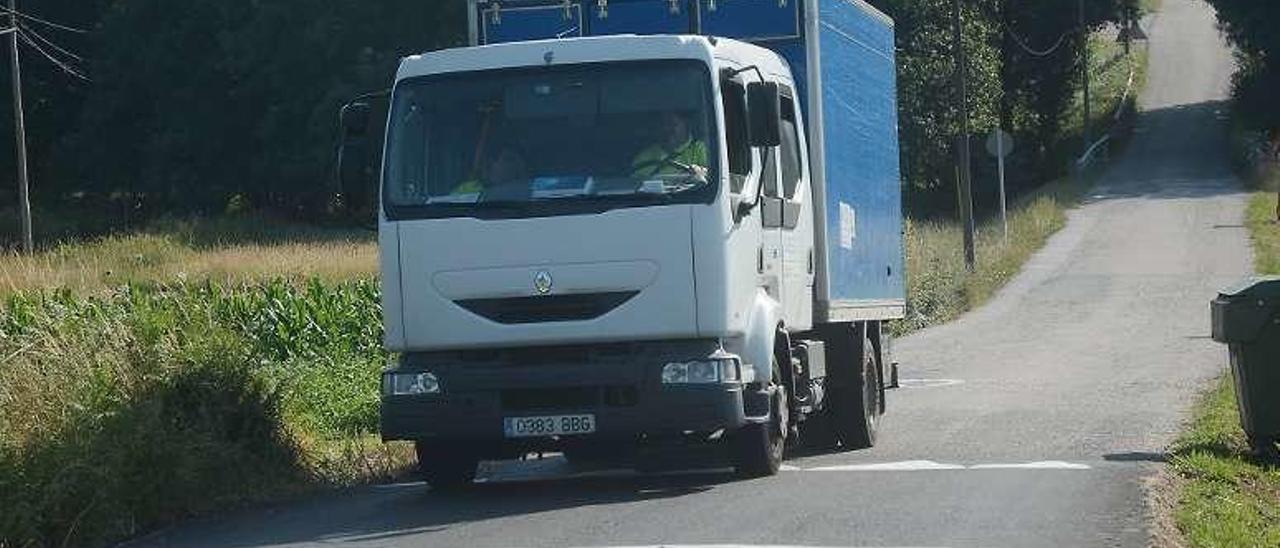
(742,546)
(903,466)
(1041,465)
(926,465)
(555,467)
(928,383)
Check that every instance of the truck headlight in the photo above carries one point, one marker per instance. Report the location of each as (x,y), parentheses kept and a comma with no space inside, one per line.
(701,372)
(410,384)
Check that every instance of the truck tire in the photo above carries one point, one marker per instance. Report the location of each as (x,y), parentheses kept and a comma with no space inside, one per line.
(856,405)
(817,432)
(760,446)
(447,466)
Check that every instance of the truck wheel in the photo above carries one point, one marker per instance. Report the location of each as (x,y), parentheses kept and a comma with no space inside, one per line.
(856,406)
(818,433)
(447,466)
(760,445)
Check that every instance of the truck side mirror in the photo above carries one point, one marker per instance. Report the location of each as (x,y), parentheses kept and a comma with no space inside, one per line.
(764,105)
(353,155)
(355,119)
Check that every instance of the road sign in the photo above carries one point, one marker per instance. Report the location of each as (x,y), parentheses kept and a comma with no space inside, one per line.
(999,143)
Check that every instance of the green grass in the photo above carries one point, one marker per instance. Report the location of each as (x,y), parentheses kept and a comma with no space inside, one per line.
(1227,497)
(1266,232)
(124,411)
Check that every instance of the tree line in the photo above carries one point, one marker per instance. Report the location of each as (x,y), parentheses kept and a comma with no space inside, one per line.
(195,106)
(1251,26)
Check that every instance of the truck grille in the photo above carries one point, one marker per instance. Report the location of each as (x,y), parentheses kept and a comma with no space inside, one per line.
(551,308)
(568,398)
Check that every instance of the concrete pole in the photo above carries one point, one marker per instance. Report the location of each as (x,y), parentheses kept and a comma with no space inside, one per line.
(24,206)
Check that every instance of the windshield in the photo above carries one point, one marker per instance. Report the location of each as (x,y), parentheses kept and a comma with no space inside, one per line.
(633,133)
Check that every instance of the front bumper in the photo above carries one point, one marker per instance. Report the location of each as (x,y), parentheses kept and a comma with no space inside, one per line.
(621,386)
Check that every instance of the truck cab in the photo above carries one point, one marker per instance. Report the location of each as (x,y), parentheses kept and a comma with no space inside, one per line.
(609,245)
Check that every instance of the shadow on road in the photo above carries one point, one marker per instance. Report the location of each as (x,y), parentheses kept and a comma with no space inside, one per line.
(378,514)
(1135,456)
(1225,449)
(1196,135)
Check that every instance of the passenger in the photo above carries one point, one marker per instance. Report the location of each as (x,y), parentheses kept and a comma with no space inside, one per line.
(678,153)
(506,166)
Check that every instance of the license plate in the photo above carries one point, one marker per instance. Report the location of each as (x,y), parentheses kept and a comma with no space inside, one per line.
(554,425)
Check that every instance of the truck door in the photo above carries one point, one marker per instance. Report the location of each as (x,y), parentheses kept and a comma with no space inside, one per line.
(747,169)
(796,230)
(772,209)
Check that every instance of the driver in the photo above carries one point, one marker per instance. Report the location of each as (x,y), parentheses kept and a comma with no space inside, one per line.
(507,166)
(678,153)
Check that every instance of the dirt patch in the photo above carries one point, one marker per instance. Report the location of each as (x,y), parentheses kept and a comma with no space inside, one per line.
(1162,489)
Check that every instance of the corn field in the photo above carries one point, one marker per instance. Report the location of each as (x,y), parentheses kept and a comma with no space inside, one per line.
(155,402)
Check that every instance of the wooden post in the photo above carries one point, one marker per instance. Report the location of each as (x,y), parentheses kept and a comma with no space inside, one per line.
(1084,71)
(962,144)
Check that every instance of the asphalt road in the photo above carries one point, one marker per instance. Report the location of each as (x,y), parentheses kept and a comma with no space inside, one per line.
(1031,421)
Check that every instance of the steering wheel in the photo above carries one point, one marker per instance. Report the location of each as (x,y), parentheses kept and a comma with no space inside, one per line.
(689,169)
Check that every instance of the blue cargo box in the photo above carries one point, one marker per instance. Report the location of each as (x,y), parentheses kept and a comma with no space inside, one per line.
(841,53)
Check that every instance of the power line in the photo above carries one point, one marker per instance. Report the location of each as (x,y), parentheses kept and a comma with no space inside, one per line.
(28,31)
(1032,51)
(1008,29)
(62,65)
(41,21)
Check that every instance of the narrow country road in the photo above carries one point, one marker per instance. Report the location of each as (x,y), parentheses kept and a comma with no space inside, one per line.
(1033,421)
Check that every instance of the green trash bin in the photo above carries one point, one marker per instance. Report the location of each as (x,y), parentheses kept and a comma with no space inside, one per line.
(1247,318)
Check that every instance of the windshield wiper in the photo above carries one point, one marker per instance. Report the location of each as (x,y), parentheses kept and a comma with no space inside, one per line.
(503,204)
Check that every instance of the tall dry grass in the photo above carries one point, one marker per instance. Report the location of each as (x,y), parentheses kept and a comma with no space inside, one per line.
(940,288)
(226,250)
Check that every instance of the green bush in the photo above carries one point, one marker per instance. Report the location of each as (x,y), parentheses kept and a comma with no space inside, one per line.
(153,403)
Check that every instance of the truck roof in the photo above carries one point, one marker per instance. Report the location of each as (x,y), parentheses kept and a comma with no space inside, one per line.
(589,49)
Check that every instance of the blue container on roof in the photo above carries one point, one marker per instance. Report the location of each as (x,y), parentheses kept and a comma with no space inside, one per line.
(752,20)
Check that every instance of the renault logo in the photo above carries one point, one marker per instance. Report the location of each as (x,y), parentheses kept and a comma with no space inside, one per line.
(542,282)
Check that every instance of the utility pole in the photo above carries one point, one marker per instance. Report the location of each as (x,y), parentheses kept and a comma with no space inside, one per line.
(962,144)
(24,207)
(1084,70)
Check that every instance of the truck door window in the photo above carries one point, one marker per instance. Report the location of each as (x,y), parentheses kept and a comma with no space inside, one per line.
(770,176)
(790,149)
(734,98)
(771,208)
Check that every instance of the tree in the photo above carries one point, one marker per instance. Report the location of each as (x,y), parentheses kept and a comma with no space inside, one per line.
(1250,25)
(194,102)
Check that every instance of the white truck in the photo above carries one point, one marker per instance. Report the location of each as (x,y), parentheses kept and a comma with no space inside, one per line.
(622,228)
